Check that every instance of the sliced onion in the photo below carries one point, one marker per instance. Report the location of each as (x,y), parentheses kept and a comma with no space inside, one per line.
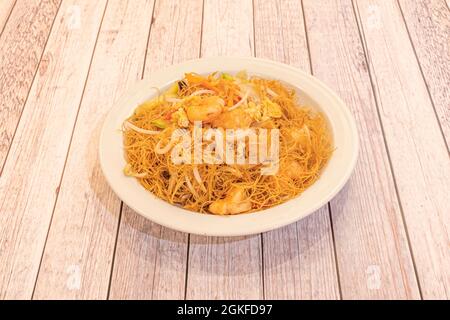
(140,175)
(129,172)
(244,98)
(251,91)
(271,92)
(129,125)
(203,91)
(160,150)
(198,178)
(173,100)
(191,187)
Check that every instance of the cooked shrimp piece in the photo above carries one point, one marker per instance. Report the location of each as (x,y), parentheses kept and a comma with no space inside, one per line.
(206,110)
(300,137)
(235,202)
(293,169)
(233,119)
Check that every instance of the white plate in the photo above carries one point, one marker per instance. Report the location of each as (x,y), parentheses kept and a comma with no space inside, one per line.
(311,91)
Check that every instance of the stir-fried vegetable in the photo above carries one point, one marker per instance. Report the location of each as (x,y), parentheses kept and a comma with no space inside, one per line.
(160,123)
(227,76)
(213,99)
(224,101)
(180,118)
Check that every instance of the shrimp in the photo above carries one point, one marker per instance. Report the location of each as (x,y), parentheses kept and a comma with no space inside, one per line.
(293,169)
(235,202)
(233,119)
(300,137)
(206,110)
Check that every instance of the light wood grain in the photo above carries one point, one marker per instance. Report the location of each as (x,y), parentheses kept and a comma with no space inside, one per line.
(62,232)
(84,227)
(226,268)
(32,172)
(414,140)
(371,245)
(150,260)
(6,7)
(22,43)
(299,260)
(227,28)
(428,23)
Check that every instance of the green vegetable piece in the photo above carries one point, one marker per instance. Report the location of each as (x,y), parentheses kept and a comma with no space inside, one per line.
(227,76)
(160,123)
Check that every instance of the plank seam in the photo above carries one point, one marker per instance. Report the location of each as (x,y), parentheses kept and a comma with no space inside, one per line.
(423,75)
(254,32)
(158,246)
(29,89)
(68,149)
(7,18)
(114,252)
(148,39)
(263,284)
(338,278)
(121,202)
(261,243)
(335,252)
(189,235)
(357,16)
(201,29)
(307,38)
(142,77)
(187,266)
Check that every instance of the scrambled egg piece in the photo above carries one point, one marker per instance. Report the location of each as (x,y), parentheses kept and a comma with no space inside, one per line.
(254,110)
(234,119)
(271,109)
(264,111)
(235,202)
(180,118)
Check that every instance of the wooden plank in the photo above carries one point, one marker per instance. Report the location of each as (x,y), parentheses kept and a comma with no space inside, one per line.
(226,268)
(32,172)
(150,260)
(6,6)
(22,43)
(227,28)
(78,256)
(299,260)
(428,23)
(416,146)
(371,244)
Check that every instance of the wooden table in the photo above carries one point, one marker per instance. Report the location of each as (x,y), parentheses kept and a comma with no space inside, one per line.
(64,234)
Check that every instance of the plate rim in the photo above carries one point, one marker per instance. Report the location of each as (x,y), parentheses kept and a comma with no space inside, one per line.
(286,220)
